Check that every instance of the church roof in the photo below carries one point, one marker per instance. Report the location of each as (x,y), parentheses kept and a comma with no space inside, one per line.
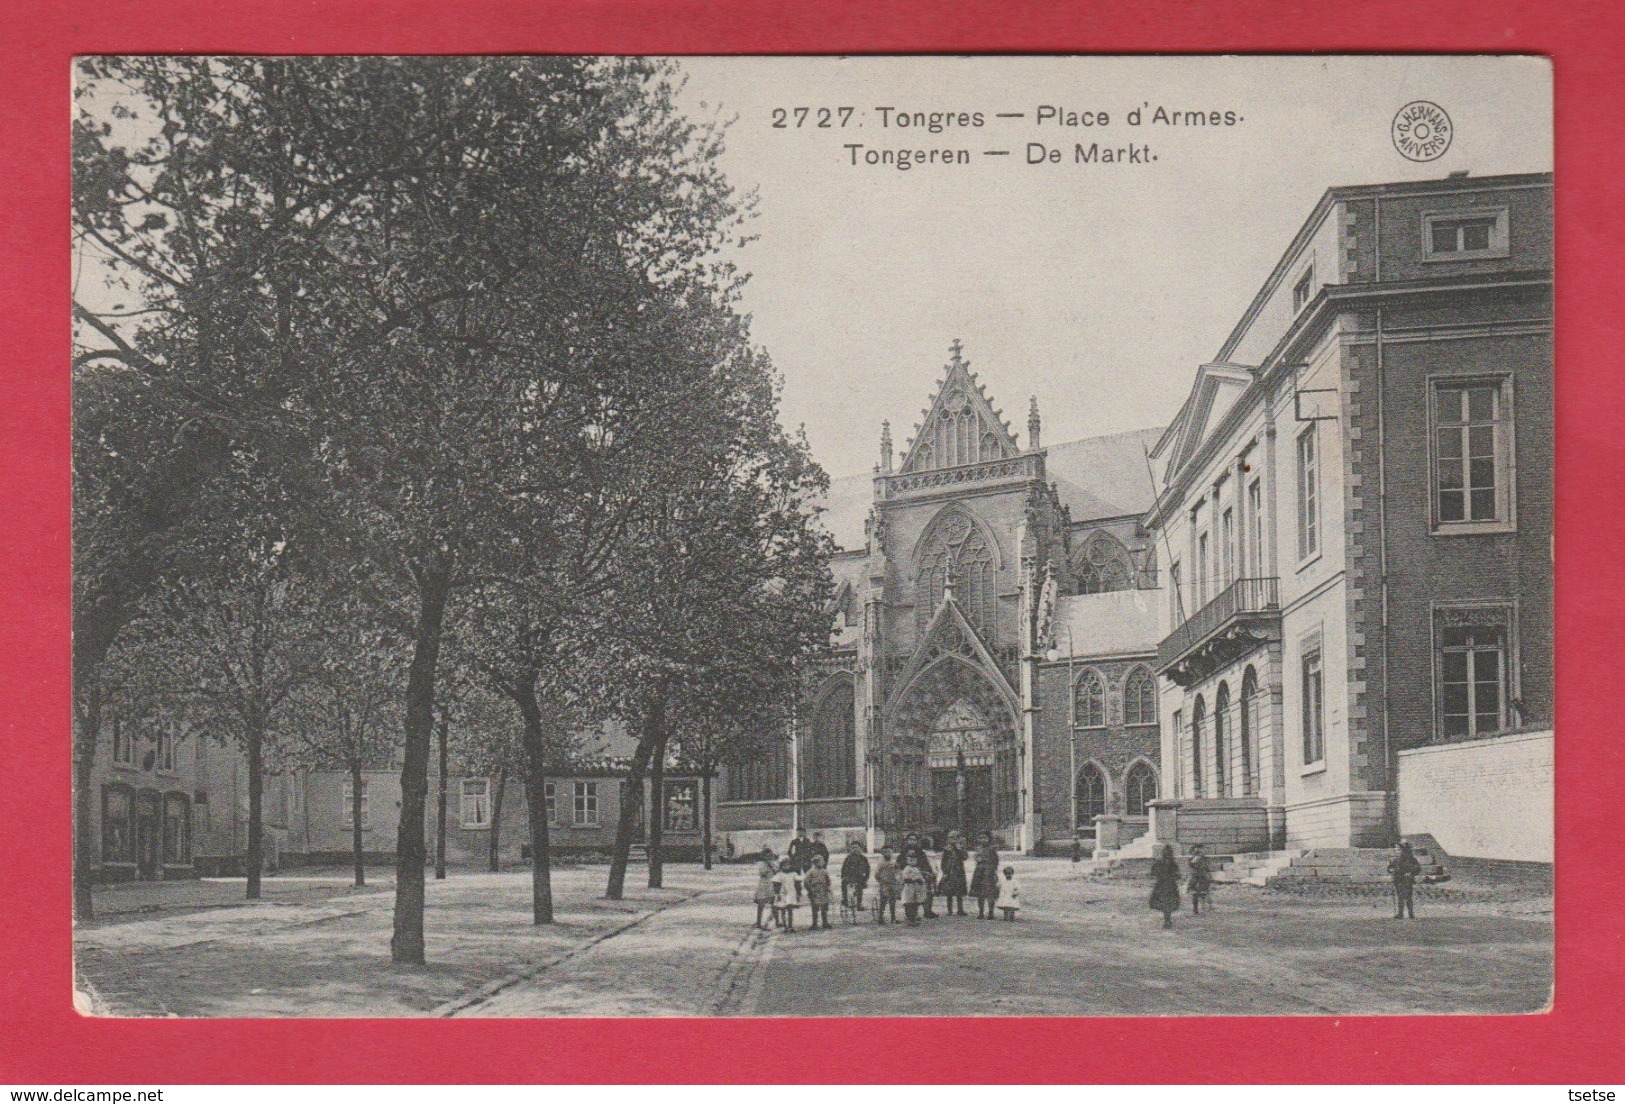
(1120,622)
(1097,477)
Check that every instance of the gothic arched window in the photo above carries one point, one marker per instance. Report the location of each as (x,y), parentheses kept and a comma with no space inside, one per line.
(1104,566)
(1140,698)
(829,749)
(1140,789)
(1091,794)
(955,547)
(1091,702)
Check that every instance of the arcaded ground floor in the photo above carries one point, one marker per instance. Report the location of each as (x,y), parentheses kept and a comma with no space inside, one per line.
(1084,945)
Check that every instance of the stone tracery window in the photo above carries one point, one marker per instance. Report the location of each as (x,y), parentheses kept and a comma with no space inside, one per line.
(955,548)
(829,756)
(1140,698)
(1091,700)
(1104,566)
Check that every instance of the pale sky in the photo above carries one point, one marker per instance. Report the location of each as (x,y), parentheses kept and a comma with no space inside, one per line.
(1097,287)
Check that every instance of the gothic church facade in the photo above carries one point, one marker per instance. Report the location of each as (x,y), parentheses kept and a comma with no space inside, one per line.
(991,667)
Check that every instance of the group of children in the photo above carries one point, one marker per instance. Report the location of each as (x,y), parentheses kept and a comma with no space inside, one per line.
(907,879)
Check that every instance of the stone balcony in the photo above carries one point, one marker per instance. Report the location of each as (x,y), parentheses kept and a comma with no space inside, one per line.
(1245,614)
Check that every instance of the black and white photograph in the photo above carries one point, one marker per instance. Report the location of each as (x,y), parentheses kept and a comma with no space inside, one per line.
(812,536)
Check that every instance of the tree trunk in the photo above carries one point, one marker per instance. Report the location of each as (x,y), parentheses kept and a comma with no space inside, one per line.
(654,727)
(85,737)
(440,814)
(406,940)
(705,818)
(523,692)
(657,815)
(256,807)
(496,821)
(356,838)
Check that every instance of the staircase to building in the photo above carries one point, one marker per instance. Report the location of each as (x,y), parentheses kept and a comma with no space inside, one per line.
(1292,868)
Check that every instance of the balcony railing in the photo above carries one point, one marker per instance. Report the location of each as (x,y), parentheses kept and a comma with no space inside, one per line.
(1240,598)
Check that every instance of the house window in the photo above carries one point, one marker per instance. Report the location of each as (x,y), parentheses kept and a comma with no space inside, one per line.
(1308,494)
(1221,740)
(117,829)
(1179,597)
(476,803)
(1179,746)
(123,746)
(1304,289)
(348,801)
(166,748)
(550,802)
(586,804)
(177,830)
(1471,452)
(1091,707)
(1464,235)
(1255,513)
(681,802)
(1227,531)
(1140,790)
(1140,698)
(1472,682)
(1314,711)
(1198,720)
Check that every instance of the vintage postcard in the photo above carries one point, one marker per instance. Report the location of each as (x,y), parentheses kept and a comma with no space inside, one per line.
(813,536)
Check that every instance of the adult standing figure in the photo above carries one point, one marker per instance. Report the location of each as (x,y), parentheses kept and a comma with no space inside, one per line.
(800,851)
(818,847)
(984,880)
(1165,887)
(952,883)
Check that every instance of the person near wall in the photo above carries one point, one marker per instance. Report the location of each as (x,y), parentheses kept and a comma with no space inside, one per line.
(800,851)
(1404,869)
(1165,885)
(984,879)
(854,875)
(952,885)
(889,885)
(818,848)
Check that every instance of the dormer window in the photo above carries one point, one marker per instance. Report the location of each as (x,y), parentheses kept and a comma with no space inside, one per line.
(1304,289)
(1464,235)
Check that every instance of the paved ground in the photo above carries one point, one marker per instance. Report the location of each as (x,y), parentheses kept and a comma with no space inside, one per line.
(1084,946)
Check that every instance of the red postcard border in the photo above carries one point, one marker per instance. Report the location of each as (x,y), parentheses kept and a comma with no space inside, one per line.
(44,1041)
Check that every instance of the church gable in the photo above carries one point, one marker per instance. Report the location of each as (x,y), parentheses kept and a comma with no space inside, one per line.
(960,427)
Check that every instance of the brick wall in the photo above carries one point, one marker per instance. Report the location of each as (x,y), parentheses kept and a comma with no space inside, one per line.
(1488,799)
(1115,748)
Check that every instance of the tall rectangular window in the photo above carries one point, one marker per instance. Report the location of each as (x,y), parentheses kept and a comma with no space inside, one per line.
(586,804)
(476,803)
(550,797)
(1180,613)
(1255,516)
(1472,682)
(1180,754)
(1201,571)
(1304,289)
(1227,530)
(349,803)
(1314,709)
(1471,452)
(1308,494)
(166,748)
(123,746)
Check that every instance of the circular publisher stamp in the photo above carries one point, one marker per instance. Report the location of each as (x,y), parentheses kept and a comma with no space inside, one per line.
(1422,131)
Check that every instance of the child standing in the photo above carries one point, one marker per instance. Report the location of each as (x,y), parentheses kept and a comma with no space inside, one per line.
(817,885)
(914,891)
(984,883)
(786,894)
(854,875)
(1009,894)
(889,885)
(1201,881)
(765,869)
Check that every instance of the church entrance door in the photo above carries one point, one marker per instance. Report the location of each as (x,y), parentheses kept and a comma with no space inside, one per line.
(961,799)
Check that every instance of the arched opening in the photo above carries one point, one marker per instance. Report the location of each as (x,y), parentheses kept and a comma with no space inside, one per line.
(1221,740)
(829,749)
(1249,731)
(1090,708)
(1140,698)
(1089,795)
(955,549)
(1139,789)
(1103,566)
(1198,721)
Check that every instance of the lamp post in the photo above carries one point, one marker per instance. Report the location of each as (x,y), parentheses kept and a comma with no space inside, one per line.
(1071,721)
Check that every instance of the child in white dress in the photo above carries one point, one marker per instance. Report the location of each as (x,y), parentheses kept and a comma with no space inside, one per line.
(786,894)
(1009,894)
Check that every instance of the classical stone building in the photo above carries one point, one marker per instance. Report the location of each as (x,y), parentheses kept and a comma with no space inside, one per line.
(977,578)
(1357,518)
